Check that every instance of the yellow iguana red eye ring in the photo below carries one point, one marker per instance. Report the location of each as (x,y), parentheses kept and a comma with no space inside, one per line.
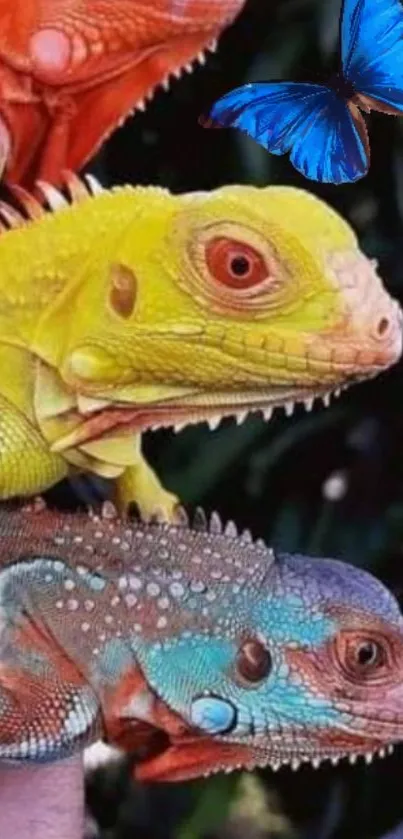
(236,264)
(233,269)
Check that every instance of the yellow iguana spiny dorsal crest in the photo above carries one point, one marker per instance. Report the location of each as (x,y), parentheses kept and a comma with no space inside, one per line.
(135,309)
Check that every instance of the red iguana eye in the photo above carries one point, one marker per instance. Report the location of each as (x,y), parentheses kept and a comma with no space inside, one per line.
(236,264)
(362,657)
(253,662)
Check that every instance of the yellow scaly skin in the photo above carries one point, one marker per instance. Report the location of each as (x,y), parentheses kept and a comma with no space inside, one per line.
(116,316)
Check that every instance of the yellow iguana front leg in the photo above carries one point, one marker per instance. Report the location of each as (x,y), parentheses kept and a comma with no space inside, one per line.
(115,456)
(140,484)
(27,466)
(135,483)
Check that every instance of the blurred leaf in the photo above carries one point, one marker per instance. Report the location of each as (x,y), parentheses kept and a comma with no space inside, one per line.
(212,806)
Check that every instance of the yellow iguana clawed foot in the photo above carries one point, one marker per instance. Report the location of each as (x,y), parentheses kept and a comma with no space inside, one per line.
(140,485)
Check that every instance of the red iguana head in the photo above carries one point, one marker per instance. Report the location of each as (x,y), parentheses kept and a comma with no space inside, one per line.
(71,74)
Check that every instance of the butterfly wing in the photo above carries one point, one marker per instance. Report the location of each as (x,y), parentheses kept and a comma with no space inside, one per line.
(326,137)
(372,49)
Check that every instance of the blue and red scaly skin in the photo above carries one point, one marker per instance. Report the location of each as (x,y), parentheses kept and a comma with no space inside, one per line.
(200,647)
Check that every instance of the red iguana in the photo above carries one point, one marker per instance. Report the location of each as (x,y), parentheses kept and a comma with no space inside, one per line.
(136,309)
(72,70)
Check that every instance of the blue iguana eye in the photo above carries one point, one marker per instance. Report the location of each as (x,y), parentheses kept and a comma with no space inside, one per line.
(213,714)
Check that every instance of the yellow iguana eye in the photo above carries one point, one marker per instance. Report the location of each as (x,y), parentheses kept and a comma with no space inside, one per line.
(236,264)
(235,270)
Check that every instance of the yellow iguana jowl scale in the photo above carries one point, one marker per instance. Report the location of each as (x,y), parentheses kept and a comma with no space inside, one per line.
(135,309)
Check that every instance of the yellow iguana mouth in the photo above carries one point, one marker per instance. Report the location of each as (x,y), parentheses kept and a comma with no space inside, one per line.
(102,419)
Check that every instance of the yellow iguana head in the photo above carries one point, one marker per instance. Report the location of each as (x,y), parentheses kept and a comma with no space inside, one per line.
(217,304)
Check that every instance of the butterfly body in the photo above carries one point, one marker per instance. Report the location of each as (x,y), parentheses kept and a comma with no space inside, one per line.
(322,127)
(341,86)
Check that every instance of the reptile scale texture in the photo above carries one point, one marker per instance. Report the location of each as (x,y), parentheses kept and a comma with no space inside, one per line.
(196,307)
(197,647)
(70,72)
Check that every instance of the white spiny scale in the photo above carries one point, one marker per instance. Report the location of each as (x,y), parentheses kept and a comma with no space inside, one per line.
(316,761)
(382,752)
(326,399)
(108,510)
(289,408)
(368,757)
(165,84)
(295,763)
(260,543)
(10,216)
(52,195)
(141,105)
(215,523)
(231,530)
(390,749)
(308,402)
(334,760)
(181,517)
(337,392)
(199,519)
(246,536)
(189,67)
(94,184)
(201,58)
(353,758)
(268,413)
(159,516)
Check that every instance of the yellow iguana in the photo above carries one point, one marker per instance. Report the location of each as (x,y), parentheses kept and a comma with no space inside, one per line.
(136,309)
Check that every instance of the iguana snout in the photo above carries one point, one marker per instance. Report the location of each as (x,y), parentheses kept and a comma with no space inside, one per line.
(368,337)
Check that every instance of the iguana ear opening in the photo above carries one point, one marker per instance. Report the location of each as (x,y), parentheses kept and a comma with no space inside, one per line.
(123,290)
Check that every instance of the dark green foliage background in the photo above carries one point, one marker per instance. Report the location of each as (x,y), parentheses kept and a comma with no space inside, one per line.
(271,477)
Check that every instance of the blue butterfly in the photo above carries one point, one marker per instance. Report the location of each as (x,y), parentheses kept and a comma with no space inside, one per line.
(321,126)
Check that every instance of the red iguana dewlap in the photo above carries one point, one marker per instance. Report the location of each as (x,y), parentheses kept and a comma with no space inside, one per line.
(72,70)
(136,309)
(196,647)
